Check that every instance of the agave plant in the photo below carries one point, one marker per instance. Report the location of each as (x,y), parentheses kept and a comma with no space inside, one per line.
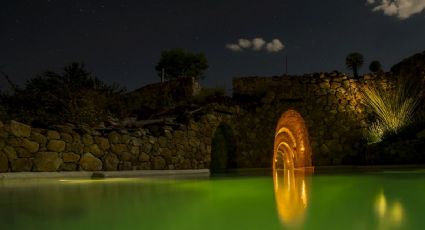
(394,106)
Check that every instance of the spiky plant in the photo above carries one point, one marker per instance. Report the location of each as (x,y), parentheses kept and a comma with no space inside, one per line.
(393,104)
(375,132)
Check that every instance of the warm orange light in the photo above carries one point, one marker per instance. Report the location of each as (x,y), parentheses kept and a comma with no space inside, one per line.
(291,194)
(291,142)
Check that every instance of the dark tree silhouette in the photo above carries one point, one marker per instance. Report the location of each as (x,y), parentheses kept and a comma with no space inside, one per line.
(375,66)
(178,62)
(354,61)
(74,95)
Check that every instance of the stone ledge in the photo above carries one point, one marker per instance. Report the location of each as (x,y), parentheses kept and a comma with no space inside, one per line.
(107,174)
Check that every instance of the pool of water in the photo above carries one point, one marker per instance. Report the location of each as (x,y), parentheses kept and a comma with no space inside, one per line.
(390,200)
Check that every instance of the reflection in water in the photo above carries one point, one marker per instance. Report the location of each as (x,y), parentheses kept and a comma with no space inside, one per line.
(390,215)
(291,189)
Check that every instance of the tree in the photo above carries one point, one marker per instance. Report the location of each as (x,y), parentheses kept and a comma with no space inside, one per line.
(354,61)
(375,66)
(178,62)
(74,95)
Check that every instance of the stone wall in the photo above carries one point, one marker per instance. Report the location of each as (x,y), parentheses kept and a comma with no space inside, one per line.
(65,148)
(330,104)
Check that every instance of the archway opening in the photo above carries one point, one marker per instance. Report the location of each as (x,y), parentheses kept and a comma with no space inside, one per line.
(223,149)
(291,167)
(291,145)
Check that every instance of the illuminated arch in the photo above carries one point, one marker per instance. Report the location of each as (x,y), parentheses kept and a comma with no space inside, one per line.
(291,146)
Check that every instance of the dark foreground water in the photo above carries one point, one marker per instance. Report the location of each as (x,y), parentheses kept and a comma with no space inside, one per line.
(393,200)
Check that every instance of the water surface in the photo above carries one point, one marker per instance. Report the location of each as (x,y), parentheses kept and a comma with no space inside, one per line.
(393,200)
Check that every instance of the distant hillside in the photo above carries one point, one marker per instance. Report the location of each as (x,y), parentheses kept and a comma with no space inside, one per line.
(411,67)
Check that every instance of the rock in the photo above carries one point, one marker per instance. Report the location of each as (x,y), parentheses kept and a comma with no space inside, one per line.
(1,124)
(144,157)
(10,153)
(87,140)
(94,149)
(56,146)
(158,163)
(126,156)
(4,163)
(119,148)
(53,135)
(31,146)
(19,129)
(2,144)
(21,165)
(23,153)
(110,162)
(125,139)
(102,142)
(76,147)
(47,162)
(67,137)
(114,137)
(325,85)
(162,141)
(68,167)
(70,157)
(134,150)
(125,166)
(145,166)
(39,138)
(88,162)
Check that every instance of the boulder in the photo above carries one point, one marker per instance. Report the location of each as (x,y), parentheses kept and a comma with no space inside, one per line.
(39,138)
(23,153)
(10,153)
(144,157)
(4,163)
(119,148)
(125,166)
(53,135)
(94,149)
(47,162)
(87,139)
(67,137)
(70,157)
(114,137)
(19,129)
(68,167)
(110,162)
(21,165)
(31,146)
(158,163)
(56,146)
(102,142)
(88,162)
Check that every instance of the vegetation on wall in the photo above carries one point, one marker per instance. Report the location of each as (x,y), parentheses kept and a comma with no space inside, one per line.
(176,63)
(74,95)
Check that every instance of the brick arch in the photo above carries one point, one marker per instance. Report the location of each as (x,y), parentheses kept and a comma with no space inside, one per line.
(291,143)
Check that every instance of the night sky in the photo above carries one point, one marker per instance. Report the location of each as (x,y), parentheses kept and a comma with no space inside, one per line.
(121,41)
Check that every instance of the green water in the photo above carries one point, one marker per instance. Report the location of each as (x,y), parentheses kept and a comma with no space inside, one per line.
(346,201)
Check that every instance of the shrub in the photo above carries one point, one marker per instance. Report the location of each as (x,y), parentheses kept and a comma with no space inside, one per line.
(394,105)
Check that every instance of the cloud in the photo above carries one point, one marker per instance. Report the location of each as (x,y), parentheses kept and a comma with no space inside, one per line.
(274,46)
(401,9)
(234,47)
(244,43)
(256,44)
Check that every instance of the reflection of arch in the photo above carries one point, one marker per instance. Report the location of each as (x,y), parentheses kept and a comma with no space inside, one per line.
(223,149)
(291,189)
(291,147)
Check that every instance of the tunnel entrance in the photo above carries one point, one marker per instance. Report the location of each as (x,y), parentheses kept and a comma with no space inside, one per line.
(223,149)
(291,146)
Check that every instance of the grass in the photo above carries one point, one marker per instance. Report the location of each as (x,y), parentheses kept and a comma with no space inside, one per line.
(394,106)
